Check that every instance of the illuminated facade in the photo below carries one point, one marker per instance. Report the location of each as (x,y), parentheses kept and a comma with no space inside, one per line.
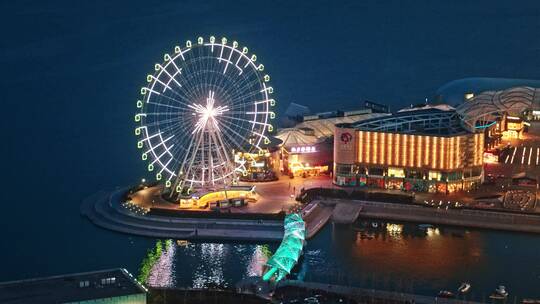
(303,153)
(425,150)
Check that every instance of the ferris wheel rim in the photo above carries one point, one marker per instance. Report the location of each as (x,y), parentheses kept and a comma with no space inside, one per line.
(259,118)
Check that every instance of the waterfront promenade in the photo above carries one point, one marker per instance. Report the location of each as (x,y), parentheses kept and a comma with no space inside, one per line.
(104,209)
(455,217)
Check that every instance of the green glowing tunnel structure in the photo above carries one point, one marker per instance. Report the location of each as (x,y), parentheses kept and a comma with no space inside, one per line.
(288,253)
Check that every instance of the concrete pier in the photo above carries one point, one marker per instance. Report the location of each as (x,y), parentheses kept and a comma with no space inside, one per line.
(104,210)
(454,217)
(316,217)
(346,213)
(362,293)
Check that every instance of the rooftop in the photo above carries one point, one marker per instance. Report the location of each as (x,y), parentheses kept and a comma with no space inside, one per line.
(453,92)
(324,127)
(71,287)
(429,121)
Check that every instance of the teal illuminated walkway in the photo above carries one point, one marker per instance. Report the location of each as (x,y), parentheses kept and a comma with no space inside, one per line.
(288,253)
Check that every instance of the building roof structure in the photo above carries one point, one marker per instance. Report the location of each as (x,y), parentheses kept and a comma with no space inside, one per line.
(292,137)
(72,287)
(454,91)
(484,108)
(431,121)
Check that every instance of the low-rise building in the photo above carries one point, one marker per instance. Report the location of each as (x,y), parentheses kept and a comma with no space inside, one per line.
(418,150)
(106,286)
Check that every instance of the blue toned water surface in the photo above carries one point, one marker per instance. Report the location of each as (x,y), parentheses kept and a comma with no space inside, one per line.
(71,74)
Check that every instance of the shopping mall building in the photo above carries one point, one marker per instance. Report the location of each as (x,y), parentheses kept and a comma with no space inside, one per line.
(424,150)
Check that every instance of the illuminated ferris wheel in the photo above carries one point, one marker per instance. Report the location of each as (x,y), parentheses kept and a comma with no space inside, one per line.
(205,107)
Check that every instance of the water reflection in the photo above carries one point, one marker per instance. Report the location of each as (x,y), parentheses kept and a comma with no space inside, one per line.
(414,250)
(209,272)
(395,256)
(373,254)
(162,273)
(260,256)
(157,268)
(202,265)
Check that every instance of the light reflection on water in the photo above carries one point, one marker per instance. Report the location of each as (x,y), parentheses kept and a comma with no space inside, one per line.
(258,259)
(162,273)
(200,265)
(400,257)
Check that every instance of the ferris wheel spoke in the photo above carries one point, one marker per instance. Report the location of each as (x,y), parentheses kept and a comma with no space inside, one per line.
(252,104)
(165,105)
(166,96)
(158,123)
(158,158)
(161,143)
(163,84)
(236,100)
(238,135)
(171,77)
(202,103)
(247,120)
(179,72)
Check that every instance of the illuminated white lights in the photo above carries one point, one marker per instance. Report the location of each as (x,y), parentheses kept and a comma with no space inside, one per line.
(208,114)
(207,98)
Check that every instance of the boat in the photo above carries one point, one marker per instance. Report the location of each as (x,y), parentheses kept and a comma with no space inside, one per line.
(464,287)
(311,300)
(445,294)
(531,301)
(496,296)
(182,243)
(500,293)
(368,236)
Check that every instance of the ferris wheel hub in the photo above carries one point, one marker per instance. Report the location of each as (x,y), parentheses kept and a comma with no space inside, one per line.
(207,114)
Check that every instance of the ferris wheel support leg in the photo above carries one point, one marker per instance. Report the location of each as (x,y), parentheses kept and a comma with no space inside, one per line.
(179,182)
(189,169)
(228,160)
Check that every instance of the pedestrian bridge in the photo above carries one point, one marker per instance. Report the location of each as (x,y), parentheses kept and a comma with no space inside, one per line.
(290,250)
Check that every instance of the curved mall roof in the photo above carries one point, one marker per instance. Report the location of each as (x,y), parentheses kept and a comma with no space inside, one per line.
(484,108)
(454,91)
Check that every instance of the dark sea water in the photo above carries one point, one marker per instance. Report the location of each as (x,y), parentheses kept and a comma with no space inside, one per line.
(71,73)
(410,260)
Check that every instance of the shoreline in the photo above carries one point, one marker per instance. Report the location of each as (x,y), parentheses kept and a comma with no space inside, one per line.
(104,210)
(464,218)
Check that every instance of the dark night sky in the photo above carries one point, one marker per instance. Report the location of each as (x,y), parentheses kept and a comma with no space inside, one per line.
(71,73)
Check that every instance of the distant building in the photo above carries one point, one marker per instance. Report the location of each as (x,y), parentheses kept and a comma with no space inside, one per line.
(105,286)
(376,107)
(293,115)
(461,90)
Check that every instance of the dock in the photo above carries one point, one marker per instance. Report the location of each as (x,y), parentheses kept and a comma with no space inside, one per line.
(346,213)
(316,215)
(365,294)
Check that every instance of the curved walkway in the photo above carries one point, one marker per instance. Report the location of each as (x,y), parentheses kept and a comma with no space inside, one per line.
(104,209)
